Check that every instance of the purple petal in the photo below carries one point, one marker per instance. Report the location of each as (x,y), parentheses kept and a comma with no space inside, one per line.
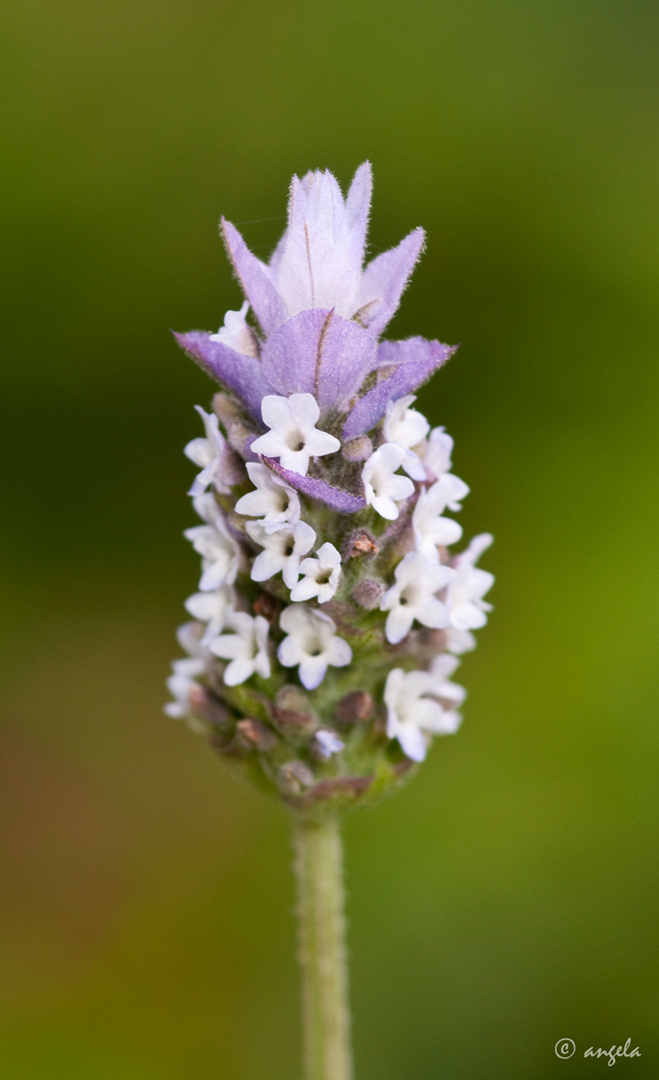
(317,352)
(385,278)
(341,501)
(266,302)
(239,373)
(358,203)
(416,360)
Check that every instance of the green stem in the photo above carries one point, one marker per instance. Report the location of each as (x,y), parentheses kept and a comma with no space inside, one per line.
(326,1017)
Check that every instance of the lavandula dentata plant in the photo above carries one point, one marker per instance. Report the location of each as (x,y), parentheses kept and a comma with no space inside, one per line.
(331,611)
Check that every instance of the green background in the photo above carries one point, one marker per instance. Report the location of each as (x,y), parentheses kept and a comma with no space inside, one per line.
(507,898)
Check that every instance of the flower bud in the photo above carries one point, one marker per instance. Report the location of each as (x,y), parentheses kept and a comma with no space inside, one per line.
(355,708)
(358,449)
(252,734)
(368,593)
(294,777)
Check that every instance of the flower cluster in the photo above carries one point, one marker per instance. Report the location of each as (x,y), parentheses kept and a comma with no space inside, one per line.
(330,612)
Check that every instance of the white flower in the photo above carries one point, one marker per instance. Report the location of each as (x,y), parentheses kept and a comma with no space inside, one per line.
(247,649)
(207,454)
(274,501)
(410,712)
(459,641)
(189,637)
(181,683)
(449,693)
(406,427)
(205,506)
(327,743)
(465,594)
(311,643)
(412,597)
(293,436)
(212,608)
(321,576)
(430,528)
(383,489)
(236,333)
(437,453)
(219,551)
(283,550)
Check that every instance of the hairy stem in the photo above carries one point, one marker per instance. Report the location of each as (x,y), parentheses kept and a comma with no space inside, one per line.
(326,1017)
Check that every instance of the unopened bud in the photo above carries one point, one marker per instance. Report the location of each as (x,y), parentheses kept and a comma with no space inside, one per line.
(430,643)
(291,697)
(368,593)
(267,606)
(361,543)
(207,707)
(252,734)
(240,438)
(290,711)
(294,777)
(358,449)
(225,409)
(354,708)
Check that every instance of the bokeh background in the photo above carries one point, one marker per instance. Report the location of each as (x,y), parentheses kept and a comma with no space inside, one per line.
(508,897)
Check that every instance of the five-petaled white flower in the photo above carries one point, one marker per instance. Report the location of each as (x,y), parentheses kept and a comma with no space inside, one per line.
(212,608)
(321,576)
(311,644)
(247,649)
(411,711)
(236,333)
(382,487)
(412,597)
(208,454)
(430,528)
(283,550)
(464,598)
(273,500)
(219,551)
(407,428)
(293,436)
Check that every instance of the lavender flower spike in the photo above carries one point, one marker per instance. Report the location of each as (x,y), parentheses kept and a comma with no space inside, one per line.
(329,594)
(331,611)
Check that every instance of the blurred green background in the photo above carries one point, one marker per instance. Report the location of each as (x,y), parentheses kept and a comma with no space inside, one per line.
(508,897)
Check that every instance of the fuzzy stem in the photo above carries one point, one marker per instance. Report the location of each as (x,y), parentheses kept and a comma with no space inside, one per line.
(325,1013)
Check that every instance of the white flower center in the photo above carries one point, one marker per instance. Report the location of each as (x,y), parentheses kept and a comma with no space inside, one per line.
(295,440)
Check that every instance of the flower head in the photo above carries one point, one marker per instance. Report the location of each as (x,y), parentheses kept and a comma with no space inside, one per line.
(329,595)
